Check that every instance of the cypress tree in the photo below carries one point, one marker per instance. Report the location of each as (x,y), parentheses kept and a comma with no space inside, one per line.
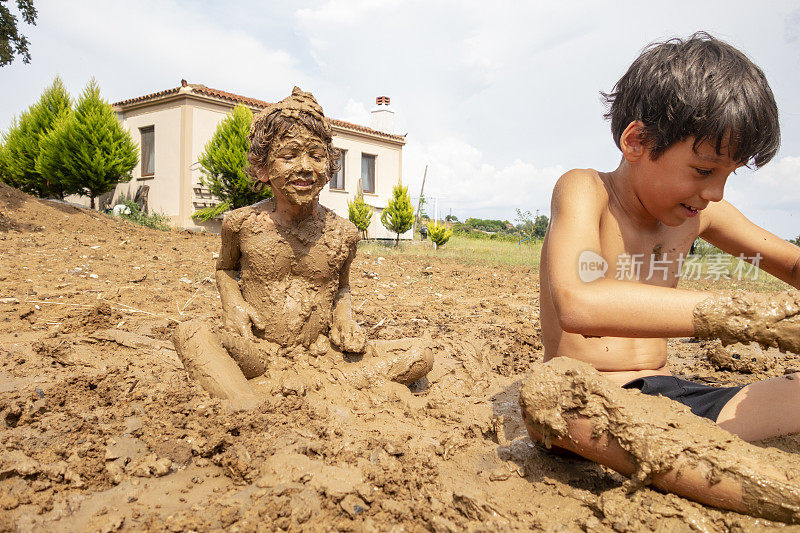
(223,163)
(359,214)
(88,151)
(399,213)
(24,138)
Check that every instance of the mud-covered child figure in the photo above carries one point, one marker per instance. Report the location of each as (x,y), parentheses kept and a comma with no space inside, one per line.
(283,273)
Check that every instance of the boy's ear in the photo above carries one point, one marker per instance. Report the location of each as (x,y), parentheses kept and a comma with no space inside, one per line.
(631,142)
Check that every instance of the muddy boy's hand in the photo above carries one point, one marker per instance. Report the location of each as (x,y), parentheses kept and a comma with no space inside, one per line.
(771,320)
(348,336)
(241,317)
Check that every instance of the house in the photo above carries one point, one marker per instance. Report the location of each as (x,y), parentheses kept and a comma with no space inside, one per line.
(173,126)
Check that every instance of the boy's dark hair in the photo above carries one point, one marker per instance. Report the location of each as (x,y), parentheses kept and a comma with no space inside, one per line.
(700,87)
(299,109)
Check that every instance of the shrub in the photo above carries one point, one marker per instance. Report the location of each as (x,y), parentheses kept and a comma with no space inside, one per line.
(399,214)
(88,152)
(360,214)
(439,233)
(158,221)
(223,163)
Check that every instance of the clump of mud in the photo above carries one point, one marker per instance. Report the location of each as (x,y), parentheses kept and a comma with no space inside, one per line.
(742,358)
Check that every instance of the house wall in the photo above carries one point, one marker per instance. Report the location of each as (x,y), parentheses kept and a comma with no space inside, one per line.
(164,194)
(388,169)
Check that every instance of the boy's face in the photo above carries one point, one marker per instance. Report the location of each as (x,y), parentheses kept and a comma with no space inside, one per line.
(297,166)
(682,181)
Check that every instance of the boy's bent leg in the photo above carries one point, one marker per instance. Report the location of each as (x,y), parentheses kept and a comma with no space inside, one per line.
(207,361)
(655,440)
(765,409)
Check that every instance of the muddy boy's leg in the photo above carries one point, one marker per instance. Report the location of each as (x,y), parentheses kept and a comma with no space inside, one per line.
(207,361)
(403,361)
(655,440)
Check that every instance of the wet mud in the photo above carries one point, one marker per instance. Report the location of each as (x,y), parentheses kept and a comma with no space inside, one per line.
(102,428)
(770,320)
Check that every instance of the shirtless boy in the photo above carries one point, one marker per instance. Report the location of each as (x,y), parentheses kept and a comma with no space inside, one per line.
(685,116)
(283,273)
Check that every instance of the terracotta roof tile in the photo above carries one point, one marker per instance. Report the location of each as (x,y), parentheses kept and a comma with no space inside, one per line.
(198,88)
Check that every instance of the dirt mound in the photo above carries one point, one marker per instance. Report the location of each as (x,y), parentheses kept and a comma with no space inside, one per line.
(100,429)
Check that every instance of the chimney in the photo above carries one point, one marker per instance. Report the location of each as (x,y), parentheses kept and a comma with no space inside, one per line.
(382,116)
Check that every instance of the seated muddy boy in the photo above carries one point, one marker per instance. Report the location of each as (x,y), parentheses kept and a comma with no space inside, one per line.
(686,115)
(283,273)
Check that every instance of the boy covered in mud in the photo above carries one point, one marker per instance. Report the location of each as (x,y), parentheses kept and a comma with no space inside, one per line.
(686,115)
(283,273)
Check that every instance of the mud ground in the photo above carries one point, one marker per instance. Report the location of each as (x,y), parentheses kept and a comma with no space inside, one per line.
(100,429)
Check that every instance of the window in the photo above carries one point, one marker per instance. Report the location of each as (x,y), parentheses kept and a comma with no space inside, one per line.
(147,148)
(337,181)
(368,173)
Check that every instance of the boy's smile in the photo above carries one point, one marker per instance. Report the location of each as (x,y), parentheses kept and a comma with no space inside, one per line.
(297,166)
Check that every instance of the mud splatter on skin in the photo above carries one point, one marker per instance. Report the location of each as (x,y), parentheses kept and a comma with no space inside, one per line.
(773,321)
(664,442)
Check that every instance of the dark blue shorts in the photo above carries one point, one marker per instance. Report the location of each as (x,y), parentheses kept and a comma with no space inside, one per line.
(703,400)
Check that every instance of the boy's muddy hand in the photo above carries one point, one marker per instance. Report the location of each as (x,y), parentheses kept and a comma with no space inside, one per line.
(348,336)
(240,318)
(771,320)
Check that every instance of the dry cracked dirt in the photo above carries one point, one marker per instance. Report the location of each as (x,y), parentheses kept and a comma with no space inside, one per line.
(101,429)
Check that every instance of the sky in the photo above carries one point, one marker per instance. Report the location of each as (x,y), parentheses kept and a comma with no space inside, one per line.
(497,99)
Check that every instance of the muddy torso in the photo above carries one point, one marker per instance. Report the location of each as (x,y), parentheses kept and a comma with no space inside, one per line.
(291,274)
(621,359)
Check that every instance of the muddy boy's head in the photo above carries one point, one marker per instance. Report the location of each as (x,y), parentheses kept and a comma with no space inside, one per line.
(700,88)
(291,148)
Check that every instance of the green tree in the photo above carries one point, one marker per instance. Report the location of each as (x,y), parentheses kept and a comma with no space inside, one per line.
(359,214)
(399,214)
(11,41)
(223,163)
(439,233)
(24,139)
(88,151)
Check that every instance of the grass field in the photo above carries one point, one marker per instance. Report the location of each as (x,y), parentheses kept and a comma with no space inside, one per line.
(464,249)
(487,251)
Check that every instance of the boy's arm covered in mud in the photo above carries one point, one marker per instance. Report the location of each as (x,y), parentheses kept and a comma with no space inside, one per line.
(345,333)
(237,314)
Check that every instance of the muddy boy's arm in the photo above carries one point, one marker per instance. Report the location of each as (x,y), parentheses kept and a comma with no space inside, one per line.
(345,332)
(605,307)
(772,320)
(236,313)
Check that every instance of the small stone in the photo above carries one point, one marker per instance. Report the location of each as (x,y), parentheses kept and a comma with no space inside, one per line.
(93,275)
(353,505)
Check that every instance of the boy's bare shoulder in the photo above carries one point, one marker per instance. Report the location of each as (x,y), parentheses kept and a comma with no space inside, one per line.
(347,229)
(234,220)
(582,187)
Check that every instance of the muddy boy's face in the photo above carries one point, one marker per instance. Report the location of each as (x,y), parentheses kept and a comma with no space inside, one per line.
(297,166)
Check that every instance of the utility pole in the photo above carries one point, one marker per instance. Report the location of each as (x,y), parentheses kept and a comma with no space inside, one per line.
(419,205)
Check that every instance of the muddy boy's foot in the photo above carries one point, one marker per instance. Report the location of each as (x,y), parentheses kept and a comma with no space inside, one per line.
(403,361)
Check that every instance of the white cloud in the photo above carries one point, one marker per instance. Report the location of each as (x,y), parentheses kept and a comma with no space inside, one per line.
(462,179)
(355,112)
(770,196)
